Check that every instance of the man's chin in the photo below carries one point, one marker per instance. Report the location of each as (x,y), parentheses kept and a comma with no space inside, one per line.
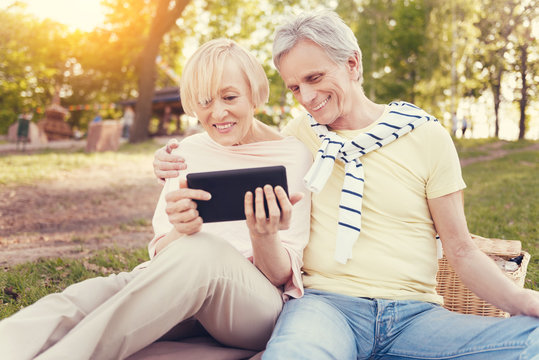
(323,120)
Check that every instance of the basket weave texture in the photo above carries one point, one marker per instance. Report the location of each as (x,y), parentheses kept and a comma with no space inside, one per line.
(458,298)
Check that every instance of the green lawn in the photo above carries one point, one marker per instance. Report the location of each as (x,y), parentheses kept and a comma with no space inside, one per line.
(500,201)
(23,284)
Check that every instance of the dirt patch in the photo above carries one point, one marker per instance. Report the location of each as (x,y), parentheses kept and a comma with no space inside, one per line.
(87,209)
(495,151)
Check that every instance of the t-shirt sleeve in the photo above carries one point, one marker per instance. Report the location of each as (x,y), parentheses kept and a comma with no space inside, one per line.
(445,174)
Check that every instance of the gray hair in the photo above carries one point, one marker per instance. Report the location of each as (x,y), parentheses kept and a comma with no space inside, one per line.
(324,28)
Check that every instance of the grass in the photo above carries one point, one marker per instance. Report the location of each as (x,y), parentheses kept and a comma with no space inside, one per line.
(25,169)
(500,203)
(23,284)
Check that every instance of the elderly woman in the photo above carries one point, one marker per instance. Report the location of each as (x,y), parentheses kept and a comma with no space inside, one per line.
(231,277)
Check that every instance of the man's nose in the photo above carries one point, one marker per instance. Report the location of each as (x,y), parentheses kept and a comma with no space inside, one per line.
(307,92)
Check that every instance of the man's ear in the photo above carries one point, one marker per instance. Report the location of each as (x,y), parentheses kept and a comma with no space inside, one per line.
(354,66)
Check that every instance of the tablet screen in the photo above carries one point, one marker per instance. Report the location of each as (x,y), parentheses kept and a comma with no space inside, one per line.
(228,189)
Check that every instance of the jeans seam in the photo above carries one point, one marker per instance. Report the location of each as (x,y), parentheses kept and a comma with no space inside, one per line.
(457,355)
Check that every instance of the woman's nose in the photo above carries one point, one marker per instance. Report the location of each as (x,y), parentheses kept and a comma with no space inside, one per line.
(219,110)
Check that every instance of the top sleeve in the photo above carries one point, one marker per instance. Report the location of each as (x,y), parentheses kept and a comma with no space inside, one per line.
(445,171)
(294,241)
(161,225)
(296,237)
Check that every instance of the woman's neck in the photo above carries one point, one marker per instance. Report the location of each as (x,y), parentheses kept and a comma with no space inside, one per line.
(261,132)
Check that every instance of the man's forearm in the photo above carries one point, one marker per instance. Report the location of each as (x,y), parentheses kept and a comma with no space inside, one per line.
(485,279)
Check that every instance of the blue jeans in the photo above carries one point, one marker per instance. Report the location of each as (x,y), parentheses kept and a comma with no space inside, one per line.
(323,325)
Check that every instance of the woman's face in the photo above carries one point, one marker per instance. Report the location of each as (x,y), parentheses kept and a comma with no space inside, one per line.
(228,118)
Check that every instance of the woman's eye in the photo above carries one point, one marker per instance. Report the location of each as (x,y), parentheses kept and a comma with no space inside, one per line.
(230,98)
(205,103)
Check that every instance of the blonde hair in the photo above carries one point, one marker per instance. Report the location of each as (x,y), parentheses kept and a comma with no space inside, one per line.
(202,74)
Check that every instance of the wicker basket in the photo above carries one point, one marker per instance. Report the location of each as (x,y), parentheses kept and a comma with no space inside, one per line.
(459,298)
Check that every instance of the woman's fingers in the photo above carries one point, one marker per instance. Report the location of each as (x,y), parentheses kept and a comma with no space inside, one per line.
(248,209)
(186,193)
(279,209)
(260,212)
(182,209)
(286,208)
(274,213)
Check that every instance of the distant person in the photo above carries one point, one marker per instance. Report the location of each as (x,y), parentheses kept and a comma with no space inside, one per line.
(128,120)
(97,118)
(464,127)
(232,278)
(23,129)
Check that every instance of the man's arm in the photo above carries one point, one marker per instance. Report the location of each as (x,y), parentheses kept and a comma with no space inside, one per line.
(476,270)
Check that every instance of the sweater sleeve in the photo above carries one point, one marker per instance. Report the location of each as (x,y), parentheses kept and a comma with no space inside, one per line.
(161,225)
(294,241)
(296,237)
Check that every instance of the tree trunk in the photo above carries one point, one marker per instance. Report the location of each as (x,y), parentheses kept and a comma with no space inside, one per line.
(496,91)
(524,90)
(147,74)
(162,22)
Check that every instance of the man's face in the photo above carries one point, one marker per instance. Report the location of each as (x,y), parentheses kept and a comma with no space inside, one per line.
(318,83)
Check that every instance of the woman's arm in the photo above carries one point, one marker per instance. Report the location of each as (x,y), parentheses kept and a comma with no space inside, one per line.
(269,254)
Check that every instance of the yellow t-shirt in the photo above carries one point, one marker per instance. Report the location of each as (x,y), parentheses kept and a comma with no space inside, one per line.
(395,255)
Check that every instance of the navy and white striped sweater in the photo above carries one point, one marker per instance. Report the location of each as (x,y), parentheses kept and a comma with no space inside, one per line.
(402,118)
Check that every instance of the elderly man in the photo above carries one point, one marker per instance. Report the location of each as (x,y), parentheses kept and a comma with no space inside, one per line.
(386,181)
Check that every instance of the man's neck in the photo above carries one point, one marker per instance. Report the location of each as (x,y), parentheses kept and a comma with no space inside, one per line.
(363,112)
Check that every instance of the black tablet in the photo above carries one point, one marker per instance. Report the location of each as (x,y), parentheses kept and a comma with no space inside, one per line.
(228,188)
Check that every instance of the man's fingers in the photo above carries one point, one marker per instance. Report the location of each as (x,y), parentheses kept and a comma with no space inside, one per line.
(163,175)
(171,165)
(171,145)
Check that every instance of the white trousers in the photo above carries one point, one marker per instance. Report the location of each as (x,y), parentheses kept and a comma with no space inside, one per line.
(198,276)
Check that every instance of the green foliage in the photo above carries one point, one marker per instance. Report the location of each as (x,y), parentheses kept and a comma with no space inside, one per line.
(430,52)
